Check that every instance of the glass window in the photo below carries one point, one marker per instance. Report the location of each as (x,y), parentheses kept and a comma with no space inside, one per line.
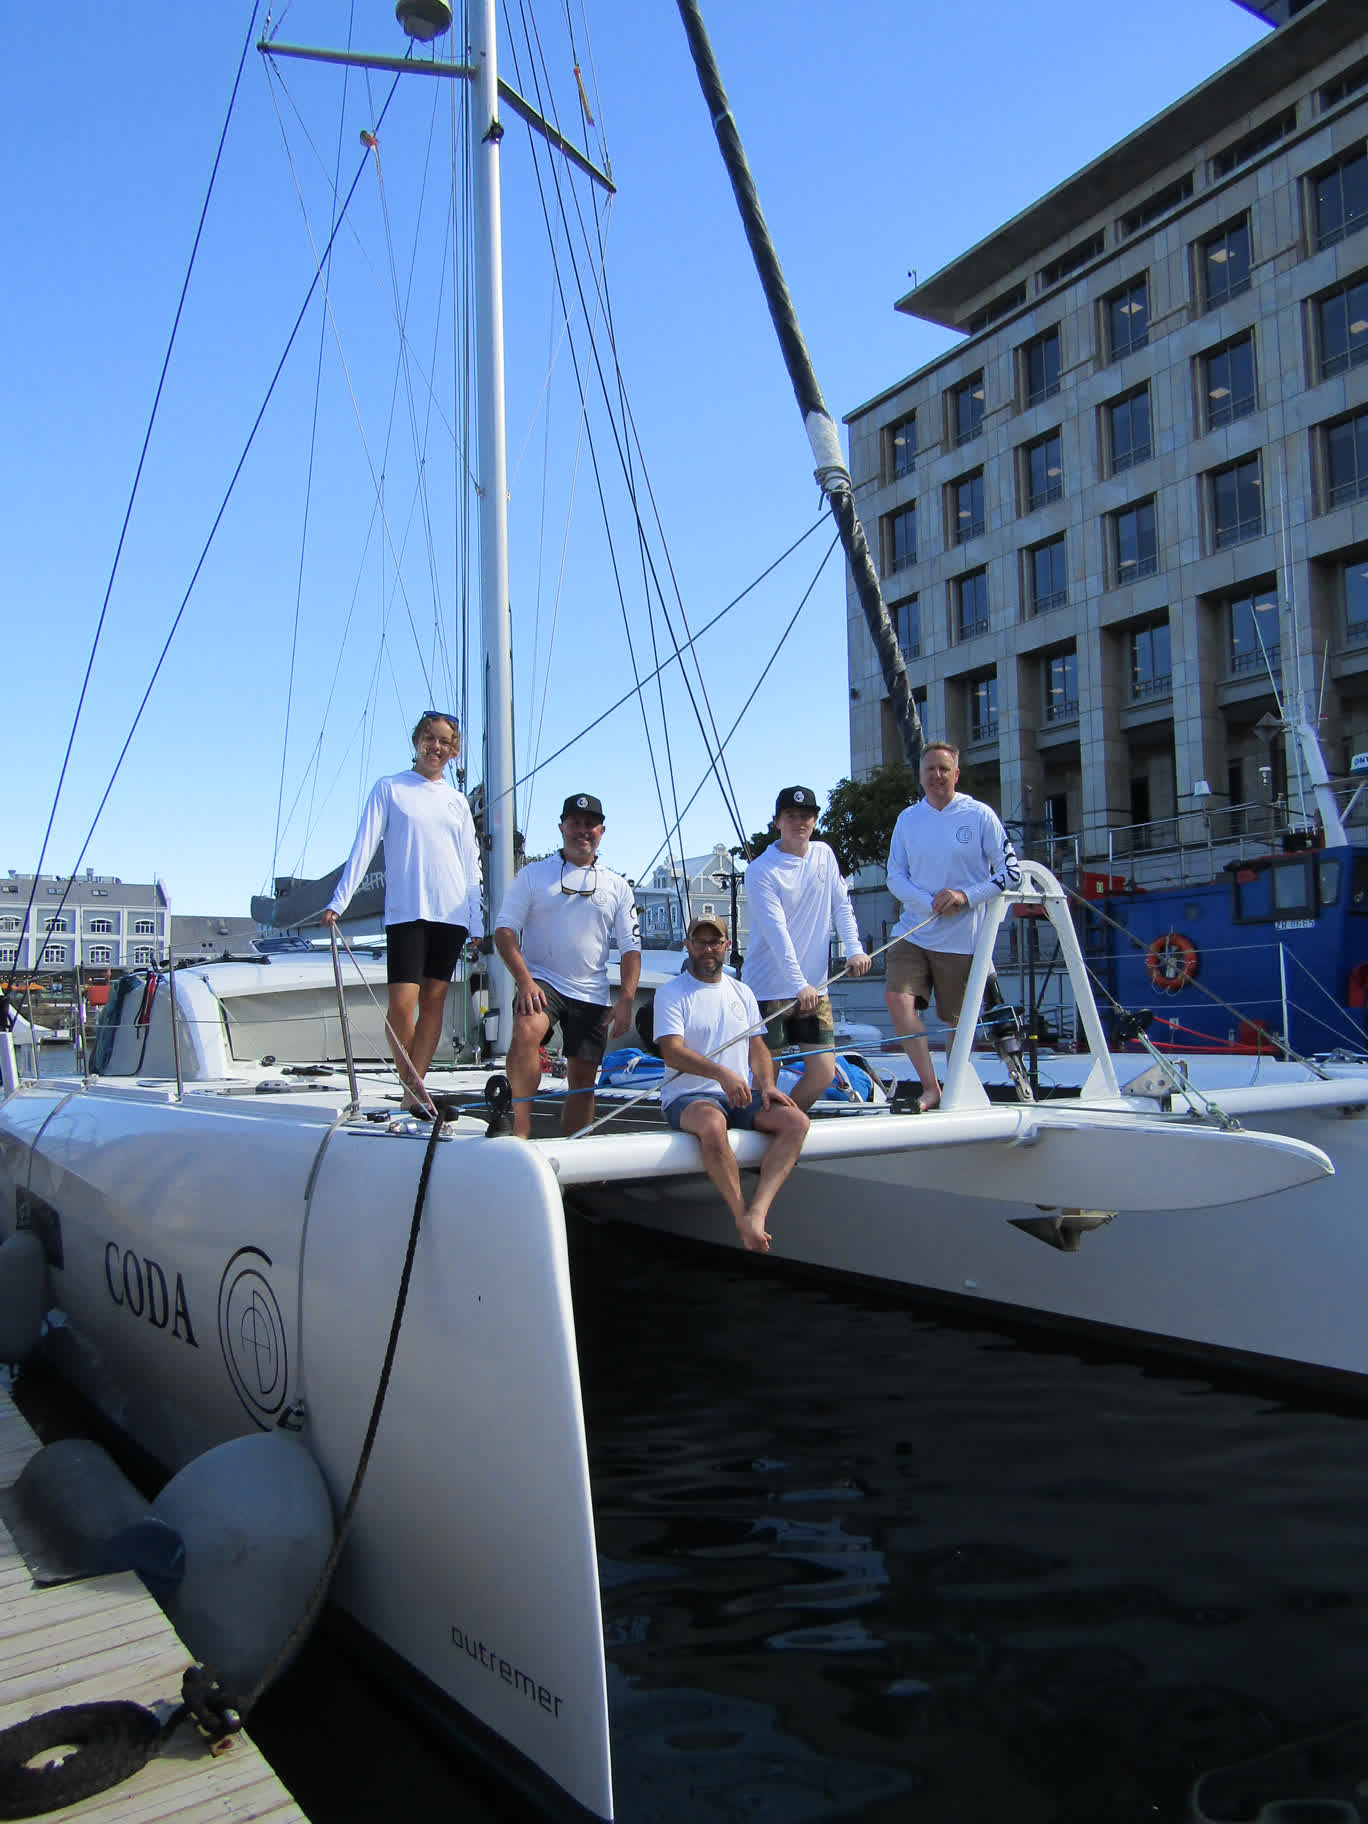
(900,447)
(966,404)
(9,924)
(1128,318)
(1136,541)
(1061,687)
(99,953)
(1356,601)
(54,953)
(1229,377)
(1291,887)
(1237,503)
(1042,367)
(1341,198)
(1151,664)
(55,924)
(907,625)
(143,957)
(1328,882)
(900,540)
(983,709)
(966,512)
(144,927)
(1225,263)
(1130,430)
(972,591)
(1049,585)
(1254,639)
(1346,460)
(8,953)
(1044,470)
(1343,328)
(100,924)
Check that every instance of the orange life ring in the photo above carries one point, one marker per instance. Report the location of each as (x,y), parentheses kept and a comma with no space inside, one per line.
(1171,961)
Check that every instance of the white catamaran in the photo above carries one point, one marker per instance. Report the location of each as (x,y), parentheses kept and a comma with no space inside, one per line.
(223,1202)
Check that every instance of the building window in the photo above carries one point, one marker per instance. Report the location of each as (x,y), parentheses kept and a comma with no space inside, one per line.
(983,709)
(54,953)
(55,924)
(1041,361)
(972,591)
(100,925)
(1225,263)
(1061,687)
(144,927)
(143,957)
(1228,377)
(1348,82)
(1049,587)
(1343,328)
(9,924)
(966,508)
(966,408)
(900,447)
(1346,460)
(907,624)
(99,953)
(900,540)
(1236,503)
(1156,205)
(1128,420)
(1044,470)
(1254,640)
(1135,542)
(1128,318)
(1356,602)
(1151,664)
(1252,144)
(8,953)
(1341,198)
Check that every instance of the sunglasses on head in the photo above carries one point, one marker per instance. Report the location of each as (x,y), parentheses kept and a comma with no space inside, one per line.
(440,715)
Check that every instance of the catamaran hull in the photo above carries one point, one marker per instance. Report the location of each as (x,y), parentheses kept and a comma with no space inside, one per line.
(221,1273)
(1276,1281)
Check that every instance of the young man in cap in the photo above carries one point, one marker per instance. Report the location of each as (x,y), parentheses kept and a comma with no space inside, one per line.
(553,933)
(796,898)
(949,855)
(708,1028)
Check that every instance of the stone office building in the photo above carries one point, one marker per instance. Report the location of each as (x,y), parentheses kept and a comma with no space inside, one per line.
(1127,515)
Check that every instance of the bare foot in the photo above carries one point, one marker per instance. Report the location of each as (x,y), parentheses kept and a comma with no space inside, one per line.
(754,1236)
(930,1099)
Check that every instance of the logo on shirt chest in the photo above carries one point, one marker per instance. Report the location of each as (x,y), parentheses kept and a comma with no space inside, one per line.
(964,835)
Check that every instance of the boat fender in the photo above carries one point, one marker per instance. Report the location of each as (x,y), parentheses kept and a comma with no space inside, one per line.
(73,1513)
(1171,961)
(23,1294)
(257,1523)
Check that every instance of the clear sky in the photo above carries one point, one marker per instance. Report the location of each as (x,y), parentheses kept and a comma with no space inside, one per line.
(892,138)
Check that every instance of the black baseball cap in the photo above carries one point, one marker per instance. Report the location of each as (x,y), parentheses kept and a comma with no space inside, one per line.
(796,798)
(582,804)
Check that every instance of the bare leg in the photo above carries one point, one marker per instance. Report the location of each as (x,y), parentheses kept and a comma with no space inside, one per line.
(580,1076)
(907,1023)
(708,1125)
(399,1026)
(524,1066)
(427,1034)
(819,1073)
(789,1127)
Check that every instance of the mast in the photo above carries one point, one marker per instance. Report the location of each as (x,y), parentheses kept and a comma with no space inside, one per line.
(486,133)
(833,478)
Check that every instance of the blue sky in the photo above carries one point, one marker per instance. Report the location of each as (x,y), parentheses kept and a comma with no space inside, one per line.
(892,143)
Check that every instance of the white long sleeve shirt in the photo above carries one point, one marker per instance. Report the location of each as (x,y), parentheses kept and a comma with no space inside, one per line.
(565,936)
(432,860)
(794,902)
(964,846)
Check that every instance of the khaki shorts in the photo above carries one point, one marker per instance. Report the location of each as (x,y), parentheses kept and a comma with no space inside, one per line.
(912,970)
(788,1031)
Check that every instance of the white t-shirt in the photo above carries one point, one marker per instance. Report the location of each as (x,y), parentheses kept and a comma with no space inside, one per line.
(707,1016)
(565,937)
(432,861)
(793,902)
(963,846)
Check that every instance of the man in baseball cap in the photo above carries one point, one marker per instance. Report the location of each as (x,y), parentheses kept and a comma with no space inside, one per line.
(553,933)
(796,898)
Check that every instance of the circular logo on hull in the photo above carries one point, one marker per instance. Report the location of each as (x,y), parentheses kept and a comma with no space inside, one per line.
(252,1335)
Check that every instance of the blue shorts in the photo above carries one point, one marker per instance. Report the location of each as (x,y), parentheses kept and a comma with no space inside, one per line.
(736,1117)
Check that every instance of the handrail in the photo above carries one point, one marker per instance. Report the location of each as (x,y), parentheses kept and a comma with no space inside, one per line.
(346,1023)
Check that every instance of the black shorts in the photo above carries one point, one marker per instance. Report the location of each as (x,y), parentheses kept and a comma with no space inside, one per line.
(583,1024)
(423,951)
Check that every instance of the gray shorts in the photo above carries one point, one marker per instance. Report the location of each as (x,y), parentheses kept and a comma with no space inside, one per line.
(736,1117)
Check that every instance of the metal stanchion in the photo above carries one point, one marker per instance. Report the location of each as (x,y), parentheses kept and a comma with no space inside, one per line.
(346,1025)
(175,1030)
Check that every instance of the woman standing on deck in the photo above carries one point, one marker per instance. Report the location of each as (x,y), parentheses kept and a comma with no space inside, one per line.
(432,892)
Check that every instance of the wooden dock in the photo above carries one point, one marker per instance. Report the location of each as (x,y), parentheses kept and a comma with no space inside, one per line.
(105,1638)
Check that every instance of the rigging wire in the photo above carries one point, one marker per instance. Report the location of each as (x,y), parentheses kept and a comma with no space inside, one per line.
(133,494)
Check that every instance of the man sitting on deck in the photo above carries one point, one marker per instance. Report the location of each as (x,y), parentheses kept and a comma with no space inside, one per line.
(709,1030)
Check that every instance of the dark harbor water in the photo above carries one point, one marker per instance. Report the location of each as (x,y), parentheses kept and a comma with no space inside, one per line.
(861,1562)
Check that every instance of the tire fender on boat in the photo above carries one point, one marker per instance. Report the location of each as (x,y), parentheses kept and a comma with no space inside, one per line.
(23,1294)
